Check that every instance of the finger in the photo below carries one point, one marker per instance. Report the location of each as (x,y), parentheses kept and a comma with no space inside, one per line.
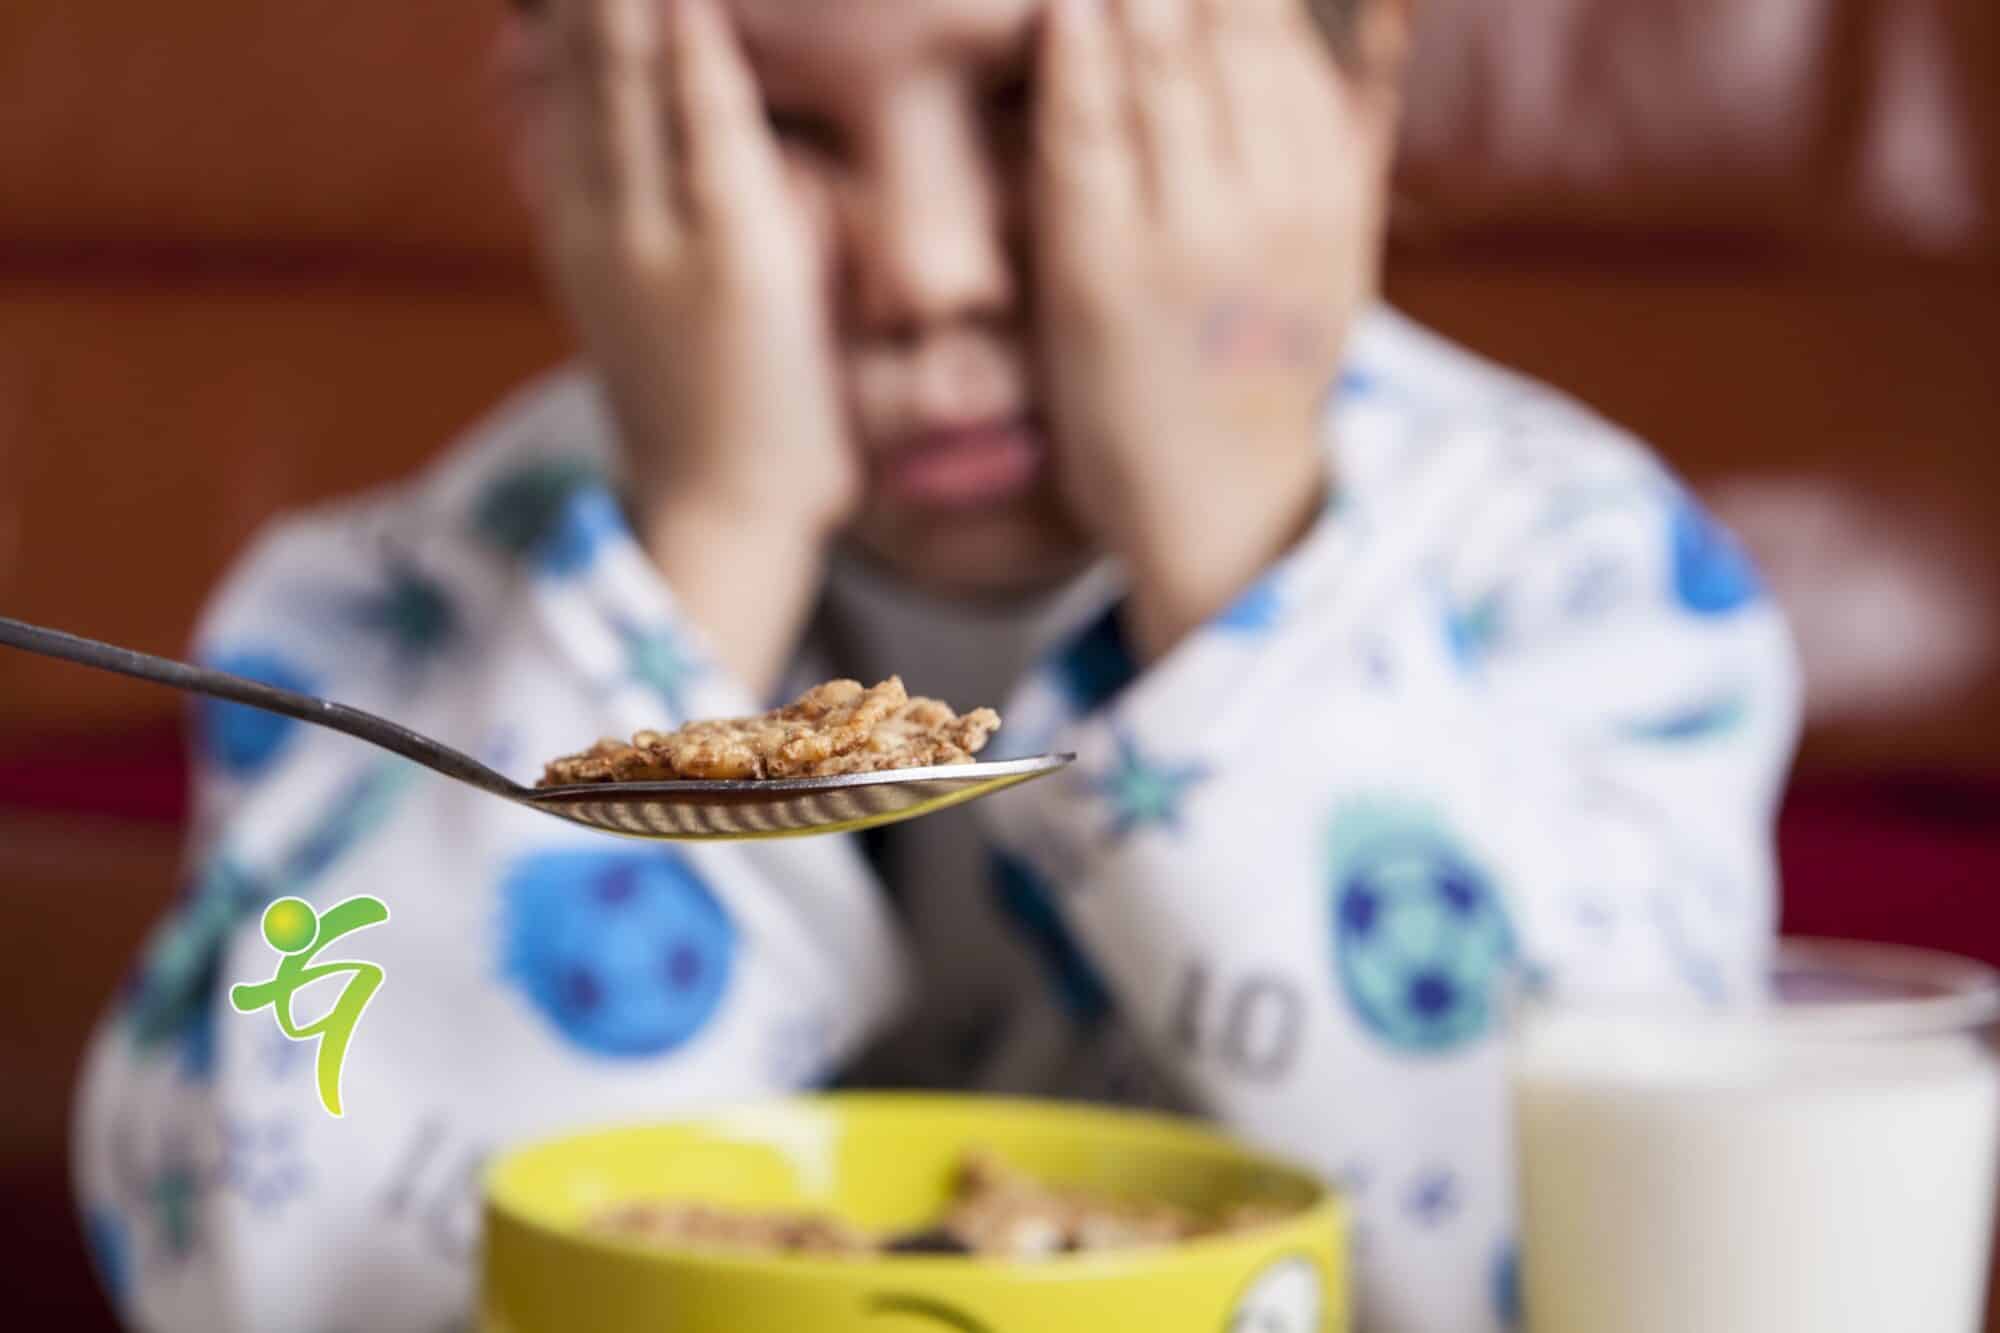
(1173,107)
(731,159)
(1082,132)
(1265,13)
(1290,103)
(1243,40)
(612,153)
(1312,98)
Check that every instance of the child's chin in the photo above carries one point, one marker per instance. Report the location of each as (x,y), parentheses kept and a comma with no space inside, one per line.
(1005,552)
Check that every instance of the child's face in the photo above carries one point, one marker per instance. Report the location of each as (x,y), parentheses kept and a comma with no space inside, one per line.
(907,123)
(908,130)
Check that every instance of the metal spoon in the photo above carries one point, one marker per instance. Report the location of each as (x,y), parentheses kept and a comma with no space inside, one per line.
(666,811)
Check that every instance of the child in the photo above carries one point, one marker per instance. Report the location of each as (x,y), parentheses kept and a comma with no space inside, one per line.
(1031,351)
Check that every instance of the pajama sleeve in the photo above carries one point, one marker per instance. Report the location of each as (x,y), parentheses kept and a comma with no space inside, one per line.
(501,604)
(1514,701)
(535,977)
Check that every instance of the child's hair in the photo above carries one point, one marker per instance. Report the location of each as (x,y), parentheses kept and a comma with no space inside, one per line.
(1335,17)
(1336,20)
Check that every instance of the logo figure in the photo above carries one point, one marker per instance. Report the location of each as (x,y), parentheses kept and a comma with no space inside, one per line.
(296,931)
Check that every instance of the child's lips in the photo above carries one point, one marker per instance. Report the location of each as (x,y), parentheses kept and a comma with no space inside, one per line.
(965,467)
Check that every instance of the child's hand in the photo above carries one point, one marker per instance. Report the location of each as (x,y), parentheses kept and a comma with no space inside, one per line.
(695,278)
(1206,229)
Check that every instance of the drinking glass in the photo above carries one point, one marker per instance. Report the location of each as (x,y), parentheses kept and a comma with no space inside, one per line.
(1819,1158)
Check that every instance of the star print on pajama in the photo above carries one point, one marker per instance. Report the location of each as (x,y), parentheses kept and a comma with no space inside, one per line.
(1143,791)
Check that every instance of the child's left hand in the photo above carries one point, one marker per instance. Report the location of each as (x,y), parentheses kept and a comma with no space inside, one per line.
(1208,217)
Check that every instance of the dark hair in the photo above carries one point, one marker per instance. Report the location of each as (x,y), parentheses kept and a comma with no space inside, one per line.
(1337,20)
(1335,17)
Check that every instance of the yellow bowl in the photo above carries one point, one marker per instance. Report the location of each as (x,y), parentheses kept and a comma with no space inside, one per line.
(886,1161)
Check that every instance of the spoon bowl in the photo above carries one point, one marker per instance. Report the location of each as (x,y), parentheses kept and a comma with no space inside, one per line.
(780,808)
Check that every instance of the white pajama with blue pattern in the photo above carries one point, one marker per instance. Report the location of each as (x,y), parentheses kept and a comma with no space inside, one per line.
(1514,701)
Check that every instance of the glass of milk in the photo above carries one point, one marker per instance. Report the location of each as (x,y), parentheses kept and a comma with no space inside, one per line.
(1820,1159)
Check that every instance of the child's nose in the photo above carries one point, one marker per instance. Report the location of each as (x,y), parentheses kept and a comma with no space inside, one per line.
(928,231)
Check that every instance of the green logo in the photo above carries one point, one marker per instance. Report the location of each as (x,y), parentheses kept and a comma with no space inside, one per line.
(296,931)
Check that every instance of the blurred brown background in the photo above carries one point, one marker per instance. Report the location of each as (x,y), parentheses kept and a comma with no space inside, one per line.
(253,254)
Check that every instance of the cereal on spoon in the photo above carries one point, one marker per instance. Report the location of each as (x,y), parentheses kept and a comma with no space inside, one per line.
(831,730)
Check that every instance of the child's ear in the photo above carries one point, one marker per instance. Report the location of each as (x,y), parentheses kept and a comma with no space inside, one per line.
(518,93)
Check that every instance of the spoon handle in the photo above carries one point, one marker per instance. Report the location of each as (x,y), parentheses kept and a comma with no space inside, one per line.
(375,730)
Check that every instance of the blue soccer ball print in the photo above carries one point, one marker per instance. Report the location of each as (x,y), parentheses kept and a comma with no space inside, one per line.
(626,953)
(1420,933)
(552,514)
(1713,575)
(242,741)
(1506,1283)
(108,1240)
(589,521)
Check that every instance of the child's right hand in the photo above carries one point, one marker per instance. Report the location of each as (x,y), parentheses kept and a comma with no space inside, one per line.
(696,282)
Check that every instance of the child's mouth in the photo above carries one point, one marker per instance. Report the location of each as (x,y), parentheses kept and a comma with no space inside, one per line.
(965,467)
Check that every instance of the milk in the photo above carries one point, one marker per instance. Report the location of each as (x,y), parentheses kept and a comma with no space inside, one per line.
(1738,1178)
